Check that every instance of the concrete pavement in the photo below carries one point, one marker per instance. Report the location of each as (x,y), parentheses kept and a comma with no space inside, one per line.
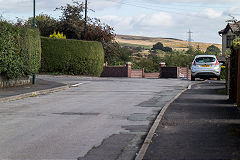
(200,125)
(41,87)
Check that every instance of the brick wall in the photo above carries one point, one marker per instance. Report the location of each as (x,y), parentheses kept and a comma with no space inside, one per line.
(137,73)
(151,75)
(127,71)
(184,72)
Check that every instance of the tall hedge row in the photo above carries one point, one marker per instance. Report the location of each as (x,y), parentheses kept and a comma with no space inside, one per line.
(72,56)
(20,51)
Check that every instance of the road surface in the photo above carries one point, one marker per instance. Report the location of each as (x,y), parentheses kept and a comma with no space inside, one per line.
(97,119)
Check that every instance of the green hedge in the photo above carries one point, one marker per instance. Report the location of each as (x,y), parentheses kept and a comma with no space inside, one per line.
(72,56)
(20,51)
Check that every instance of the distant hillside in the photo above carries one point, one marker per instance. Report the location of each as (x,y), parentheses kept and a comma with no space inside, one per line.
(148,42)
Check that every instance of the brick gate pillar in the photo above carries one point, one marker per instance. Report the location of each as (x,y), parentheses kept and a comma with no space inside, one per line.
(129,69)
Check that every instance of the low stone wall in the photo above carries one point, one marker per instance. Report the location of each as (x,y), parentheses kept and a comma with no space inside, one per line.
(4,83)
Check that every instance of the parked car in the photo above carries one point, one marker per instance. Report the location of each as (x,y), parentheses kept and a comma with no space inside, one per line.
(205,67)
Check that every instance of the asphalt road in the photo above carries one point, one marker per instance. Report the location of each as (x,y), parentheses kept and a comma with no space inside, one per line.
(97,119)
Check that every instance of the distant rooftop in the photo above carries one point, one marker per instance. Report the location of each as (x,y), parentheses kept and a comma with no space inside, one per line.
(232,26)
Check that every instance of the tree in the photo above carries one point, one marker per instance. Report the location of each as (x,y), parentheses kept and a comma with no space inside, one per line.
(158,46)
(167,49)
(213,50)
(72,22)
(98,31)
(46,24)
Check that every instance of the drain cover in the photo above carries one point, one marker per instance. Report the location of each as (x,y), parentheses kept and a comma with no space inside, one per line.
(77,113)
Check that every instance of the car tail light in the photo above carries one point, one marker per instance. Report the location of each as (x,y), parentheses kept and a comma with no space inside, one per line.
(217,63)
(194,63)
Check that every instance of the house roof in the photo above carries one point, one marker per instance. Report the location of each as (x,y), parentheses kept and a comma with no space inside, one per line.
(233,27)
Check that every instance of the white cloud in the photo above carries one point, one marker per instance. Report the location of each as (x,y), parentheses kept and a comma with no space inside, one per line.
(211,13)
(141,23)
(155,20)
(103,4)
(195,1)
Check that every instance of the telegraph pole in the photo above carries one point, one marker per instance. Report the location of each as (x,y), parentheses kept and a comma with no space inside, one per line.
(34,14)
(189,38)
(85,24)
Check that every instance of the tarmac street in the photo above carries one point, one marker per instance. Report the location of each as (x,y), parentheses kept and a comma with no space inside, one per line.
(96,119)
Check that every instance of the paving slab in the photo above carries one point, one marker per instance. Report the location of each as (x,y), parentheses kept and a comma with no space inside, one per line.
(200,124)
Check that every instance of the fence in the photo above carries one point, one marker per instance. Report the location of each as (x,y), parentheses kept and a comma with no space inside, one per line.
(117,71)
(175,72)
(233,82)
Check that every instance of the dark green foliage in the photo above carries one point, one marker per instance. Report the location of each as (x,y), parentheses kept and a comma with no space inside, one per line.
(151,64)
(167,49)
(178,59)
(46,24)
(20,51)
(159,46)
(115,54)
(213,50)
(72,56)
(232,95)
(223,72)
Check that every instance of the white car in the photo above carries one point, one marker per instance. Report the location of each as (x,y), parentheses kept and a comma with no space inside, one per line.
(205,66)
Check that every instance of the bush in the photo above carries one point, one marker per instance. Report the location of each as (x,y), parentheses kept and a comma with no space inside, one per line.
(213,50)
(20,51)
(72,56)
(150,65)
(223,72)
(57,35)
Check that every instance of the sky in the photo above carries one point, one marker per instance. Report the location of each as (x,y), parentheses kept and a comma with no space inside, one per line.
(150,18)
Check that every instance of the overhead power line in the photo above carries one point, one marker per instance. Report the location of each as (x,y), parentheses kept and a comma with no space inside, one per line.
(147,3)
(159,10)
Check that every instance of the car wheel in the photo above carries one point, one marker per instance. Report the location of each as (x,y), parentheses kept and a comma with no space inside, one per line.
(192,78)
(219,78)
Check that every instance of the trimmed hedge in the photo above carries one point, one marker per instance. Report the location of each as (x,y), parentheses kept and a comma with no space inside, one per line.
(20,51)
(72,56)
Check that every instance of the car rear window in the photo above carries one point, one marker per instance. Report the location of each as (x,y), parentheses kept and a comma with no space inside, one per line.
(205,59)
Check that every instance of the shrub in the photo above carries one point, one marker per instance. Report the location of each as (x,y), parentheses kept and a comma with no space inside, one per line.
(223,72)
(57,35)
(20,51)
(72,56)
(213,50)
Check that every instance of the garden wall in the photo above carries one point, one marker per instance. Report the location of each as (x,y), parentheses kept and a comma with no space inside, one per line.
(4,83)
(126,71)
